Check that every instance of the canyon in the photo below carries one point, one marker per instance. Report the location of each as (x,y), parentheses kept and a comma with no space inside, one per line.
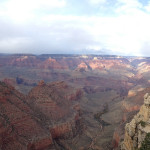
(69,102)
(37,120)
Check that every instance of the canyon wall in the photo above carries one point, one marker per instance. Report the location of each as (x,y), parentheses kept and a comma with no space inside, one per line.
(138,128)
(35,121)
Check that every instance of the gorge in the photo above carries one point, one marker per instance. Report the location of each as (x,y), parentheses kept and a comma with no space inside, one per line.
(71,102)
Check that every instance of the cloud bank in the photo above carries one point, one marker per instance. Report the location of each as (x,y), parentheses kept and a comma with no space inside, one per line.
(68,26)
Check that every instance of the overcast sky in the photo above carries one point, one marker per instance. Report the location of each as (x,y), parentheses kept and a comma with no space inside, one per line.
(120,27)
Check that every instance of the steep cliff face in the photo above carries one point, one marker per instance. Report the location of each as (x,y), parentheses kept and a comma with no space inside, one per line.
(24,61)
(34,122)
(72,62)
(58,102)
(19,128)
(138,128)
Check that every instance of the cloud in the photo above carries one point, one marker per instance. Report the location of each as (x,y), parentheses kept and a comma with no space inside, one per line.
(145,49)
(9,44)
(96,2)
(45,26)
(147,7)
(128,7)
(23,10)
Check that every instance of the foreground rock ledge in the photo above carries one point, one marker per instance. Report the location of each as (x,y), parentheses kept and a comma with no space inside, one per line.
(136,130)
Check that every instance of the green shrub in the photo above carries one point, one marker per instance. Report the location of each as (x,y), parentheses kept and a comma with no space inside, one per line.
(143,124)
(146,143)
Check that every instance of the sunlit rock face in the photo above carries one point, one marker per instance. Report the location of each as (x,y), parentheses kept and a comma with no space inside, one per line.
(82,67)
(131,93)
(136,130)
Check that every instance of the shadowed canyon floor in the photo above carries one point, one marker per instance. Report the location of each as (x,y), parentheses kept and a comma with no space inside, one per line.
(69,102)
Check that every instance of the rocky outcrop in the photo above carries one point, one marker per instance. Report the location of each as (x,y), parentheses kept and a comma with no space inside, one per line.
(65,62)
(51,63)
(19,127)
(130,106)
(82,67)
(137,129)
(58,102)
(108,64)
(35,121)
(24,61)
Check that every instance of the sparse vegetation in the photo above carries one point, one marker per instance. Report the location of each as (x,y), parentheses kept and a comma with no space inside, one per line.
(146,143)
(143,124)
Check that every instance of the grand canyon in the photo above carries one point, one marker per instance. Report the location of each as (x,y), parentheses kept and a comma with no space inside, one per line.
(73,102)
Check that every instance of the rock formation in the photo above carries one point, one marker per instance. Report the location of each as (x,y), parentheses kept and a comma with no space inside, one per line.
(138,128)
(82,67)
(19,127)
(54,107)
(36,121)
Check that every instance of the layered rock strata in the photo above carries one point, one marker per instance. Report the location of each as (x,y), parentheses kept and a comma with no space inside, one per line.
(138,128)
(36,121)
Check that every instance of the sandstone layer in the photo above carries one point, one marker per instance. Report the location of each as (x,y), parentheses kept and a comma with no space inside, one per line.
(138,128)
(36,121)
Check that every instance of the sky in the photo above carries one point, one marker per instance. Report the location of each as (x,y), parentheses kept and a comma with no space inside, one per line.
(119,27)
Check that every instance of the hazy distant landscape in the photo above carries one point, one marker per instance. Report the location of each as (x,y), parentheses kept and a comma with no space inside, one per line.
(85,100)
